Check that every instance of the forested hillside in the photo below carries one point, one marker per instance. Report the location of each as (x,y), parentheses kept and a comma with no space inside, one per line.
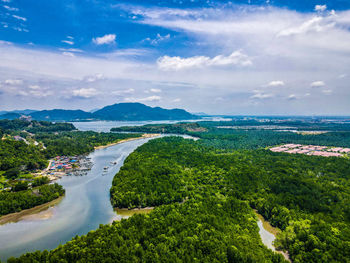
(78,142)
(204,202)
(16,154)
(214,135)
(11,202)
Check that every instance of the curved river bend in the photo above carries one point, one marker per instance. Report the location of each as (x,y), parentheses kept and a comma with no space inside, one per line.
(85,206)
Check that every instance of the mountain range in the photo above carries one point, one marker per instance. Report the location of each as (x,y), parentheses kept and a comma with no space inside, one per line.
(115,112)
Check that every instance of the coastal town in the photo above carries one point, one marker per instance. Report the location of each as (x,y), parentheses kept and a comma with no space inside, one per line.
(67,166)
(312,150)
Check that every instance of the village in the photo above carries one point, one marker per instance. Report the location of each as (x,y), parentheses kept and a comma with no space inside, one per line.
(67,166)
(324,151)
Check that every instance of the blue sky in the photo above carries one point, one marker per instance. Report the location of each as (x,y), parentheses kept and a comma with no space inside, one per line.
(229,57)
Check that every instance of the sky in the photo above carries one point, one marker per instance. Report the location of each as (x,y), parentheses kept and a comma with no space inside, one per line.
(252,57)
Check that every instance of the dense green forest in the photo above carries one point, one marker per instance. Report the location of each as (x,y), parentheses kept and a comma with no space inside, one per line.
(223,138)
(11,202)
(78,142)
(34,126)
(16,154)
(179,128)
(214,229)
(308,197)
(204,200)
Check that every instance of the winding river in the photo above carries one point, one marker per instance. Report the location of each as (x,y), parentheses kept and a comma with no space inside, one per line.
(85,206)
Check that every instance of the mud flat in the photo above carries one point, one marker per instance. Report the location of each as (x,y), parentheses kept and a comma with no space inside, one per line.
(144,136)
(268,235)
(125,213)
(40,212)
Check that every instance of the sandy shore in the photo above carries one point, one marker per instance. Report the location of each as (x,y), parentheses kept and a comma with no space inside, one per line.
(272,230)
(149,135)
(125,213)
(39,212)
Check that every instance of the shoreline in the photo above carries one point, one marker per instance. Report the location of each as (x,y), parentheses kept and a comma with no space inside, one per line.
(125,212)
(30,213)
(144,136)
(35,212)
(274,231)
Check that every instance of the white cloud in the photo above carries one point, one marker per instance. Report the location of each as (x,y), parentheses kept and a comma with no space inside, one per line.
(155,13)
(93,78)
(317,84)
(261,95)
(85,92)
(11,8)
(20,29)
(178,63)
(70,37)
(106,39)
(123,92)
(20,18)
(275,83)
(177,100)
(159,38)
(150,98)
(34,87)
(292,97)
(320,8)
(327,91)
(155,90)
(39,93)
(13,81)
(5,43)
(297,59)
(69,42)
(315,24)
(71,50)
(68,54)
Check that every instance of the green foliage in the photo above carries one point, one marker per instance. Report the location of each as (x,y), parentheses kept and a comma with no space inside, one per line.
(20,186)
(283,188)
(253,138)
(203,191)
(11,202)
(179,128)
(40,181)
(78,142)
(35,126)
(12,173)
(203,230)
(16,154)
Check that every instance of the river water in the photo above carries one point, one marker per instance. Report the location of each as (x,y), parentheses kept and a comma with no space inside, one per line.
(85,206)
(105,126)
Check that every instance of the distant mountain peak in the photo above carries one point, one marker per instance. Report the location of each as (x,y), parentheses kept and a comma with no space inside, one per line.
(126,111)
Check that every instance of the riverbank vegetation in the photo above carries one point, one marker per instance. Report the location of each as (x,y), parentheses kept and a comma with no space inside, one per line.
(204,230)
(306,196)
(204,199)
(78,142)
(18,154)
(11,202)
(253,134)
(26,146)
(34,126)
